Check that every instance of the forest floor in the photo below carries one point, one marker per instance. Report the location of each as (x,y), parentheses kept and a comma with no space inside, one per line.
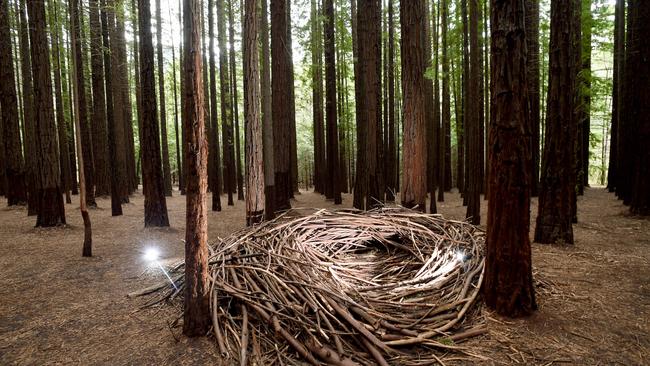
(59,308)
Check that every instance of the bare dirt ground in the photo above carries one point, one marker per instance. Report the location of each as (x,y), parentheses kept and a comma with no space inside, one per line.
(59,308)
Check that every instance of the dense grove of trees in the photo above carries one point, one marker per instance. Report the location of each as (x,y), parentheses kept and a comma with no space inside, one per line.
(411,99)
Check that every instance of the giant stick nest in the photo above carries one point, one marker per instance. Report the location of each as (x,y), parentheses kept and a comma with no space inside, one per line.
(388,286)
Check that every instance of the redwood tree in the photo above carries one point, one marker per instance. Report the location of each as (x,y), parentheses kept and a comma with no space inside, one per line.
(532,69)
(554,219)
(414,158)
(213,128)
(226,106)
(196,316)
(280,84)
(167,176)
(51,211)
(508,286)
(14,166)
(333,171)
(267,120)
(155,206)
(254,149)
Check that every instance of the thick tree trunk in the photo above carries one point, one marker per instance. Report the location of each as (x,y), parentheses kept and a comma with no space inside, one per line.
(508,286)
(196,316)
(414,190)
(369,36)
(253,121)
(639,105)
(51,210)
(293,144)
(267,120)
(558,163)
(16,192)
(167,175)
(280,84)
(155,206)
(100,145)
(84,122)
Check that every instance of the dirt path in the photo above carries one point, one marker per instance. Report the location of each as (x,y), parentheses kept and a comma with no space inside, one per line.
(59,308)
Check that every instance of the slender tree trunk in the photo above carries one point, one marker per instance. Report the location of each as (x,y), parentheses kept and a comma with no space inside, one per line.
(233,73)
(445,127)
(532,69)
(508,286)
(177,131)
(226,104)
(84,122)
(167,177)
(16,192)
(619,59)
(414,190)
(429,112)
(70,128)
(136,66)
(584,77)
(267,118)
(293,144)
(155,206)
(196,316)
(29,131)
(253,121)
(391,158)
(213,127)
(473,121)
(99,134)
(360,181)
(333,170)
(317,98)
(64,163)
(558,163)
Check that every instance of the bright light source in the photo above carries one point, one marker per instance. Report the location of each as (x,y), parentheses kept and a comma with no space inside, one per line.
(151,255)
(460,256)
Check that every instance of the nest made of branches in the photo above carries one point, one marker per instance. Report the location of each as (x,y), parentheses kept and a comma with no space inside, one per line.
(388,286)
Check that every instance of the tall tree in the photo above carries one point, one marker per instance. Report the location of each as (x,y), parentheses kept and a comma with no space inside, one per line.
(317,98)
(638,104)
(532,69)
(369,37)
(84,122)
(414,190)
(213,128)
(196,316)
(253,121)
(554,219)
(179,166)
(61,123)
(29,129)
(619,57)
(267,120)
(473,121)
(584,96)
(445,123)
(280,85)
(155,206)
(167,176)
(87,249)
(98,126)
(233,83)
(391,157)
(333,171)
(51,210)
(14,165)
(430,113)
(226,104)
(293,143)
(508,286)
(360,186)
